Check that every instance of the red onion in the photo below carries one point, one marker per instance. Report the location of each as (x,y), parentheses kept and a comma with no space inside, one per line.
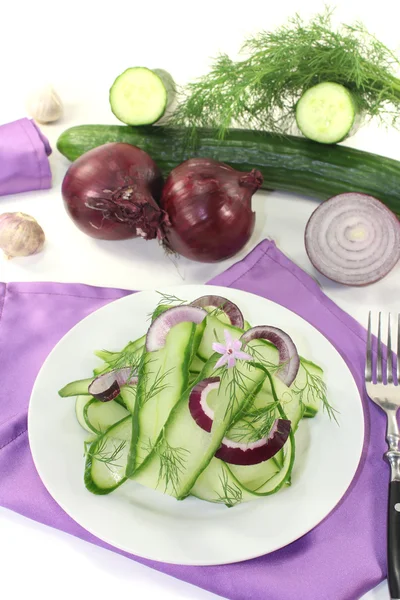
(288,355)
(230,451)
(209,207)
(353,239)
(107,386)
(253,453)
(111,193)
(160,327)
(231,310)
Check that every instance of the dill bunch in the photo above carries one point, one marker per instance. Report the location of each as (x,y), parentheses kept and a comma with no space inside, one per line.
(261,91)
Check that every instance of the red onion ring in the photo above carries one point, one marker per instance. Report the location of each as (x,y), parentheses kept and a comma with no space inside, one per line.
(107,386)
(353,239)
(232,311)
(288,355)
(158,330)
(230,451)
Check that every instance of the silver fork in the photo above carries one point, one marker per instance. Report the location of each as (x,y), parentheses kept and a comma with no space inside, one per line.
(387,396)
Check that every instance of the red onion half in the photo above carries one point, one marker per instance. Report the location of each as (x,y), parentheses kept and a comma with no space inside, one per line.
(111,193)
(209,207)
(353,239)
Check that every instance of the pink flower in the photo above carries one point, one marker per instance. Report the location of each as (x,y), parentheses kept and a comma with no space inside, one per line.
(231,351)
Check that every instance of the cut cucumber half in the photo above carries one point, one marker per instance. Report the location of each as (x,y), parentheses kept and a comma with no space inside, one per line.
(163,378)
(326,113)
(138,96)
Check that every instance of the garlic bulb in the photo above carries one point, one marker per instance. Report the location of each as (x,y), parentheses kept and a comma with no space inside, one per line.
(20,235)
(44,105)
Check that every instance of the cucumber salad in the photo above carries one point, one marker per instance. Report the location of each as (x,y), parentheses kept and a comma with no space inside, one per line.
(204,404)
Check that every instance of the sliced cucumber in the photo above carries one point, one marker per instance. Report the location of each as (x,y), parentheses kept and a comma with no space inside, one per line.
(100,416)
(127,397)
(163,377)
(76,388)
(107,457)
(123,358)
(281,478)
(214,332)
(197,364)
(218,484)
(326,113)
(221,483)
(138,96)
(80,404)
(188,448)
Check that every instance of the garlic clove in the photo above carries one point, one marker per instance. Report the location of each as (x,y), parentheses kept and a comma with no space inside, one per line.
(44,105)
(20,235)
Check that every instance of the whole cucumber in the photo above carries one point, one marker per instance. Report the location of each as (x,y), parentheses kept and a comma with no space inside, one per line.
(288,163)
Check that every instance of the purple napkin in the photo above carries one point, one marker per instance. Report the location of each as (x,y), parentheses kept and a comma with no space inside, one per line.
(341,559)
(24,163)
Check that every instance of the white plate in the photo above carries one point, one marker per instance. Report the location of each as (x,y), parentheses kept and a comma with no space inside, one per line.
(193,532)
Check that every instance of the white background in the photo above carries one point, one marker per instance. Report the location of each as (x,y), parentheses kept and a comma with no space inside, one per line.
(80,48)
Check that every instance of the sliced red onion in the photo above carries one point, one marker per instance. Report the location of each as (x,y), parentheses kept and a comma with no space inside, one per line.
(253,453)
(353,239)
(232,452)
(288,355)
(199,409)
(158,330)
(107,386)
(232,311)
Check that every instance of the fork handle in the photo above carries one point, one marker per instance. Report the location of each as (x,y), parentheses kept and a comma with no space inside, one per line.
(393,539)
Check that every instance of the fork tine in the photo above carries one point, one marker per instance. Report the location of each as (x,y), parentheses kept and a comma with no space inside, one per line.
(368,361)
(389,358)
(379,354)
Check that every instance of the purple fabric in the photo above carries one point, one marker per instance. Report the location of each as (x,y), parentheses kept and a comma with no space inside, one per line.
(341,559)
(24,163)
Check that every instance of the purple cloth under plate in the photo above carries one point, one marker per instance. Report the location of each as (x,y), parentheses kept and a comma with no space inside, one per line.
(341,559)
(24,163)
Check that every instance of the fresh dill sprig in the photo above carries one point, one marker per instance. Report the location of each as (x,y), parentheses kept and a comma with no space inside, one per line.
(86,446)
(237,383)
(314,391)
(166,301)
(172,462)
(218,310)
(261,90)
(170,299)
(254,424)
(106,455)
(157,385)
(259,357)
(128,357)
(231,493)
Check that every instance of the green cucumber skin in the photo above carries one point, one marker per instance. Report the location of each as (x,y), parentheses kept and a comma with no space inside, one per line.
(76,388)
(90,485)
(191,348)
(287,163)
